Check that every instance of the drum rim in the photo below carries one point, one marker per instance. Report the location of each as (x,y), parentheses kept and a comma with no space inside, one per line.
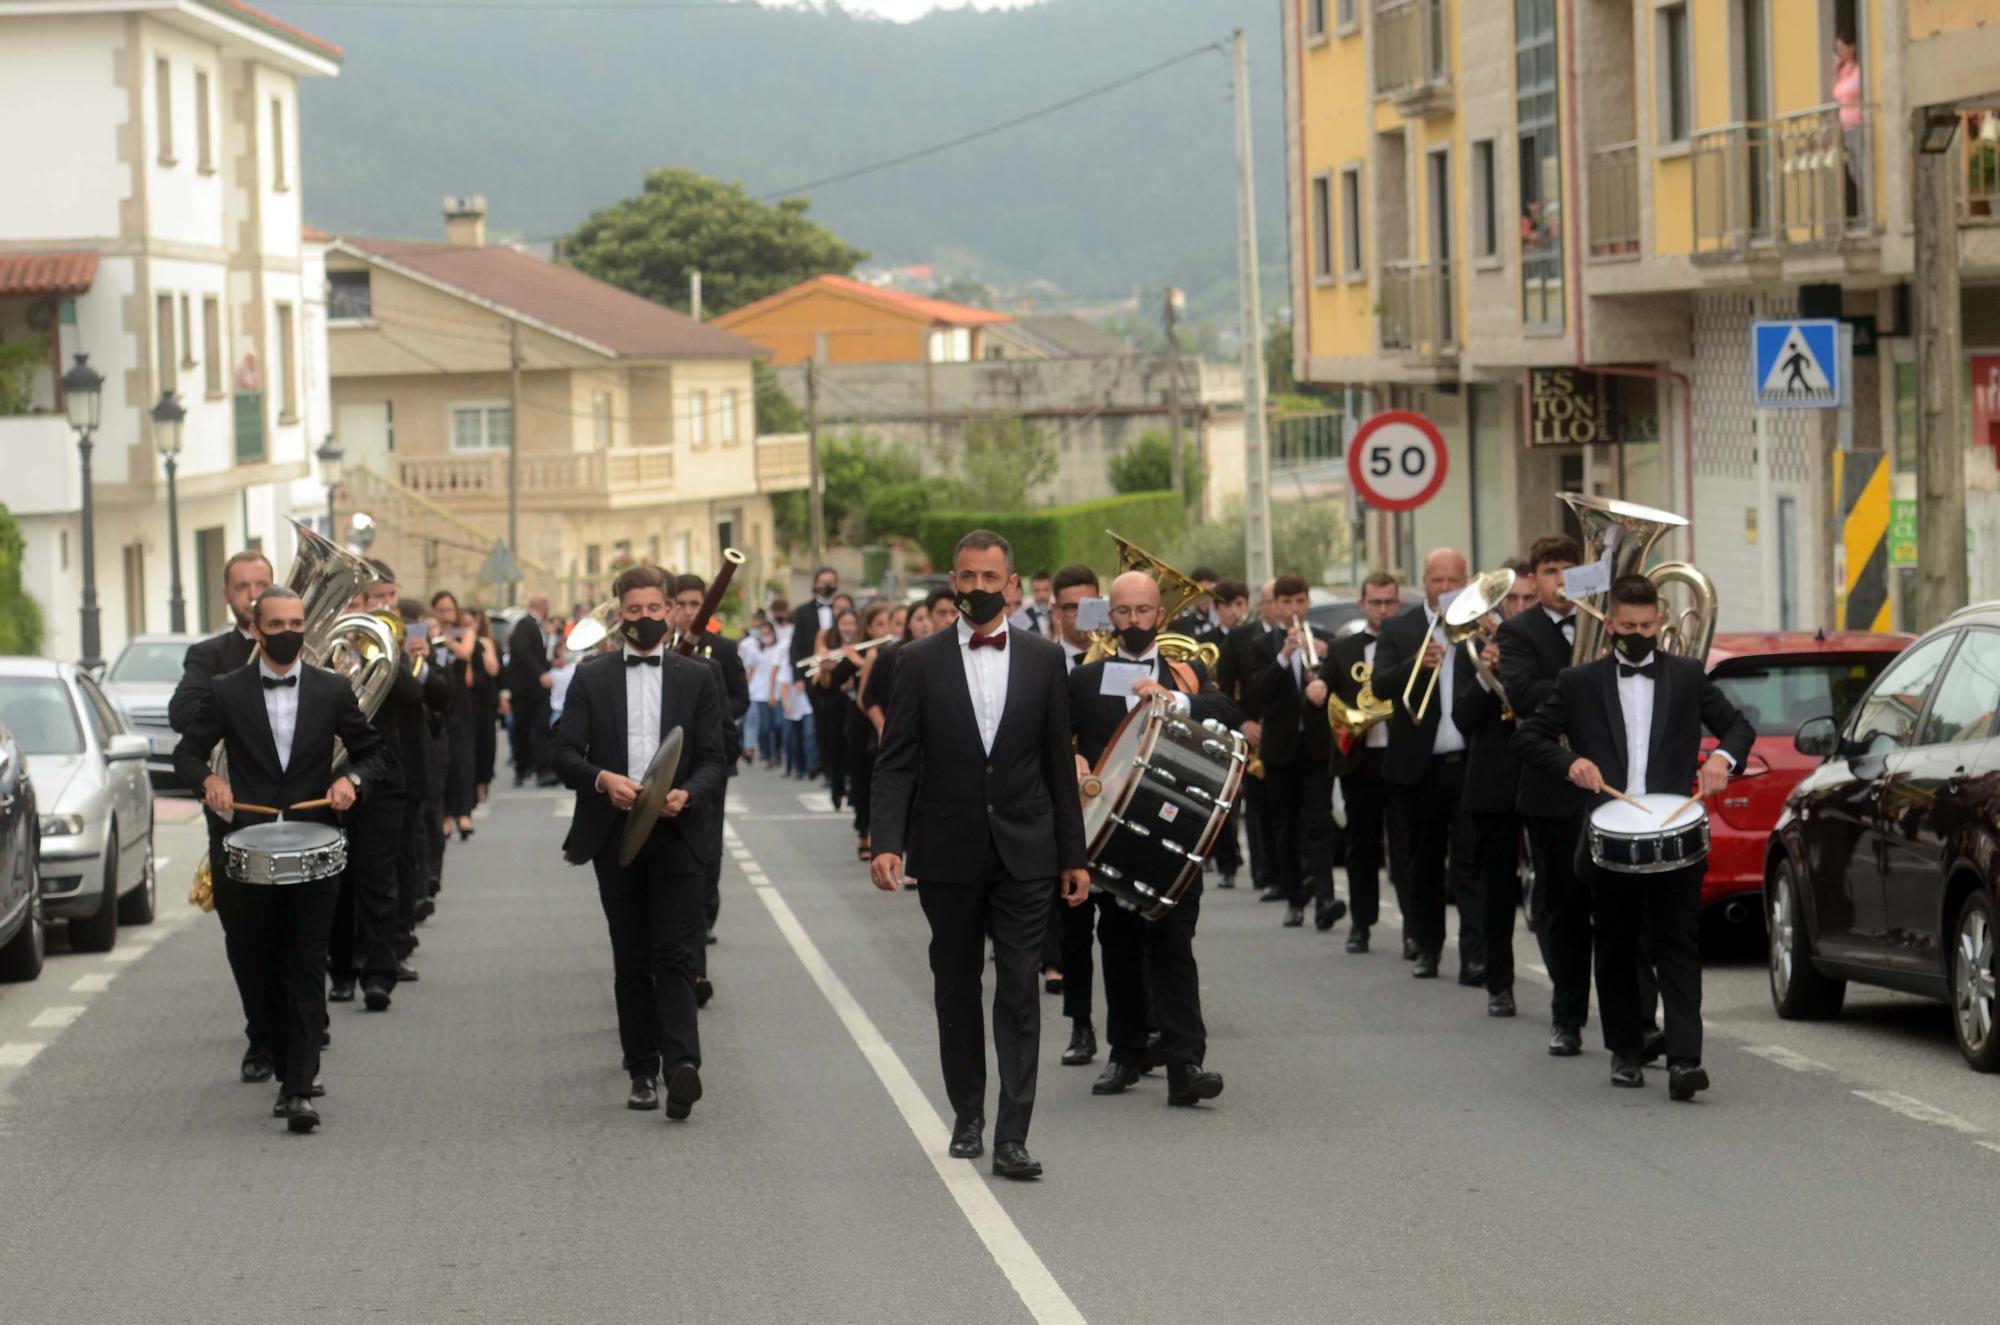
(1128,788)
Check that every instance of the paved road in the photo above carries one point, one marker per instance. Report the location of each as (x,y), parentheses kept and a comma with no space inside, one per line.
(1384,1151)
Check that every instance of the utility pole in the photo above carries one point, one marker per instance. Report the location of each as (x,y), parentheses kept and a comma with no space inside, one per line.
(815,499)
(513,452)
(1169,314)
(1256,455)
(1942,580)
(694,295)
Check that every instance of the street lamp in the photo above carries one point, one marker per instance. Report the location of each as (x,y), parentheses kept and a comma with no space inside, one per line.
(167,417)
(329,456)
(83,388)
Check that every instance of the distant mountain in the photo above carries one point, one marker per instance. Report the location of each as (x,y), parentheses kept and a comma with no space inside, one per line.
(551,114)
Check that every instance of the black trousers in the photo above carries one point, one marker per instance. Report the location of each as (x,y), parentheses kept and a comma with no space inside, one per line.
(1013,913)
(485,739)
(1463,879)
(711,898)
(1367,797)
(1497,849)
(1298,830)
(1562,908)
(460,789)
(1227,854)
(653,909)
(420,835)
(531,732)
(1162,950)
(244,959)
(1251,799)
(1422,815)
(367,924)
(278,949)
(860,770)
(831,725)
(1075,928)
(1667,907)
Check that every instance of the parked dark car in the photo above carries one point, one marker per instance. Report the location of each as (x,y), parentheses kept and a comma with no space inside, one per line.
(23,936)
(1884,865)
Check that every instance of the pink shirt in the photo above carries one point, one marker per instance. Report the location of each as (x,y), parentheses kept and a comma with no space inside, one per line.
(1847,93)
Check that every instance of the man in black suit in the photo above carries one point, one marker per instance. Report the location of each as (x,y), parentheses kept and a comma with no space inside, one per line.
(1425,763)
(1135,948)
(1537,646)
(279,721)
(619,709)
(1633,720)
(718,652)
(1067,949)
(1359,767)
(809,620)
(528,692)
(1232,605)
(1289,696)
(245,577)
(1233,667)
(976,784)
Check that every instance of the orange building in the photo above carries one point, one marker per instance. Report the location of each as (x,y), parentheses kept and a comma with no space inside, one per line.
(861,324)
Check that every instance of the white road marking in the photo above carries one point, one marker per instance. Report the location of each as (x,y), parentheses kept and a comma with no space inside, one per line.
(1918,1111)
(819,802)
(560,810)
(54,1019)
(161,862)
(482,810)
(1994,1146)
(1537,968)
(1783,1057)
(1038,1290)
(123,955)
(95,983)
(18,1054)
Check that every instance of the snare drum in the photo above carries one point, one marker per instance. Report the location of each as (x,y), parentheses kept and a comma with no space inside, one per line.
(285,853)
(1168,784)
(1625,840)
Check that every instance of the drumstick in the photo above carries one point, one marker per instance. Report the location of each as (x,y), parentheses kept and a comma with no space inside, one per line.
(256,809)
(1685,805)
(320,804)
(1610,790)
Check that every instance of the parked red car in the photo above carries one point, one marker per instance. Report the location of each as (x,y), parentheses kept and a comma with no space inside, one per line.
(1780,680)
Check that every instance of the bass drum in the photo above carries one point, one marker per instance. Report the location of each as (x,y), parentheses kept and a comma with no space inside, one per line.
(1166,785)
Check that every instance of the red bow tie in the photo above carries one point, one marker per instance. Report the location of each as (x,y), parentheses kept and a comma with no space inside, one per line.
(997,640)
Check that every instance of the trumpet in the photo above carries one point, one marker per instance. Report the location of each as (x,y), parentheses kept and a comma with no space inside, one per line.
(1311,645)
(810,667)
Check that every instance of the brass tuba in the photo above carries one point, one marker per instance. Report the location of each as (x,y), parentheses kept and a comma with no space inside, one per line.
(1628,531)
(1176,592)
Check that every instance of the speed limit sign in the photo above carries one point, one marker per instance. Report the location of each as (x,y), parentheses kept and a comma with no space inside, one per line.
(1397,460)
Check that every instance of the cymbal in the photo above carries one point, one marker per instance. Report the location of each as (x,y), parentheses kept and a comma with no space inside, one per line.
(653,789)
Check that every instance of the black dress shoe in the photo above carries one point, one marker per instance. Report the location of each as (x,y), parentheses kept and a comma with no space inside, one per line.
(1566,1042)
(256,1066)
(405,972)
(1409,949)
(300,1115)
(1472,974)
(1082,1044)
(1012,1160)
(708,939)
(1052,984)
(1226,881)
(645,1094)
(1189,1086)
(1626,1072)
(1357,939)
(1294,916)
(376,996)
(1117,1077)
(1653,1047)
(341,992)
(1500,1003)
(704,990)
(683,1089)
(1271,895)
(968,1139)
(425,909)
(1684,1079)
(326,1039)
(1426,967)
(1325,916)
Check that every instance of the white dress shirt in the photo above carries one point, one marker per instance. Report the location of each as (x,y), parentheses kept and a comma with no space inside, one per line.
(281,706)
(986,678)
(1449,739)
(1635,702)
(1178,700)
(1378,735)
(1560,620)
(825,614)
(1072,656)
(643,688)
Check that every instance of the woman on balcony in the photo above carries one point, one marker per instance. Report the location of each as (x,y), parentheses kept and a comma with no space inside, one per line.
(1847,96)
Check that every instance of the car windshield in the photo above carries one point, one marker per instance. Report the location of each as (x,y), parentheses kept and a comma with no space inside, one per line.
(149,661)
(1778,695)
(37,710)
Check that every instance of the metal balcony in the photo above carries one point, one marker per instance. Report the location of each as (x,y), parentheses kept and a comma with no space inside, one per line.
(1412,66)
(1415,308)
(1793,183)
(1612,178)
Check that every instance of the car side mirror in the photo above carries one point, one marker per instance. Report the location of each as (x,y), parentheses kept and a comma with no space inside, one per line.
(128,746)
(1818,737)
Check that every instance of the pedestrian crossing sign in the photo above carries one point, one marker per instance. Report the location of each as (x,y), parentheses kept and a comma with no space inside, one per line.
(1796,364)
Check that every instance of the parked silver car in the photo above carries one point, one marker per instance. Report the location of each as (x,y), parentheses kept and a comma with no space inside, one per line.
(96,802)
(141,681)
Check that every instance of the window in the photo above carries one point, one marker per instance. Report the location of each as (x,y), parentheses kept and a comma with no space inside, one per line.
(163,108)
(1673,73)
(135,589)
(187,331)
(389,426)
(1343,15)
(1485,228)
(204,142)
(1963,709)
(1350,221)
(482,427)
(349,296)
(1322,226)
(600,419)
(278,176)
(698,418)
(288,387)
(1315,16)
(211,341)
(1778,696)
(1536,112)
(166,358)
(1887,719)
(106,718)
(950,345)
(592,558)
(38,711)
(727,421)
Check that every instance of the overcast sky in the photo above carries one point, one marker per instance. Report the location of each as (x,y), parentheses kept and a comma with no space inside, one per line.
(904,10)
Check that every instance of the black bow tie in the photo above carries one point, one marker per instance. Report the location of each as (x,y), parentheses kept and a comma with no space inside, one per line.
(280,682)
(642,660)
(1626,669)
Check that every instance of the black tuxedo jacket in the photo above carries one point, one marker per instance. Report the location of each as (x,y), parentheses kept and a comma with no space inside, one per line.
(1533,653)
(233,713)
(1584,708)
(1294,731)
(1399,652)
(527,658)
(1492,771)
(1237,661)
(938,794)
(590,740)
(1094,717)
(718,652)
(805,635)
(405,723)
(205,660)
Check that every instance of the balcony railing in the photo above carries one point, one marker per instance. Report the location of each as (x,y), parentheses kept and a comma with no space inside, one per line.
(782,462)
(1613,181)
(565,478)
(1410,59)
(1979,138)
(1416,308)
(1800,181)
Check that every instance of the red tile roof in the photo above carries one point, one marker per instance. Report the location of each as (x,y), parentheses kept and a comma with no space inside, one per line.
(264,20)
(46,273)
(563,299)
(930,310)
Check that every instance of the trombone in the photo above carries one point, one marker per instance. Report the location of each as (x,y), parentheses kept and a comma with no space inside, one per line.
(1474,602)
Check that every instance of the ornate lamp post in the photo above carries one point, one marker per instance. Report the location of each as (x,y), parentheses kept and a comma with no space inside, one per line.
(167,417)
(83,388)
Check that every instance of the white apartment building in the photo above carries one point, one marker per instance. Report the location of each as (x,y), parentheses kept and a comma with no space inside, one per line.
(153,223)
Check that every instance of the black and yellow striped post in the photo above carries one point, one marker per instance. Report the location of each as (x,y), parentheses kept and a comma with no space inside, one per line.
(1861,496)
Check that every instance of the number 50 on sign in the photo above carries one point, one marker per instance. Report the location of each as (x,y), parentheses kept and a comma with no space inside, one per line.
(1397,460)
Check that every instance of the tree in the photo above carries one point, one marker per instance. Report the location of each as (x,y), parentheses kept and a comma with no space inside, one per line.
(1307,537)
(1000,462)
(683,222)
(965,290)
(776,411)
(18,361)
(20,615)
(1148,466)
(875,491)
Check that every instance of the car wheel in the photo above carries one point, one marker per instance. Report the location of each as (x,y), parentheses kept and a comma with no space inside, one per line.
(139,906)
(21,959)
(1799,992)
(1973,1004)
(98,932)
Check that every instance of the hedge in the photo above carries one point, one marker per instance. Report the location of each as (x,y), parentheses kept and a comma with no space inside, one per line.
(1058,535)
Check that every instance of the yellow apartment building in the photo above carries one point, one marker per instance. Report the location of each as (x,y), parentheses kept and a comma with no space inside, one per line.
(1549,224)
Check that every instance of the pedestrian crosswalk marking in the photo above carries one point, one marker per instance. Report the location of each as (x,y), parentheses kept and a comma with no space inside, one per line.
(18,1054)
(94,983)
(54,1019)
(819,802)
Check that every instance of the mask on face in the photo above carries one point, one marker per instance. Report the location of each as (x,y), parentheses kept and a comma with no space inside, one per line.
(823,592)
(1137,639)
(979,606)
(1634,649)
(646,633)
(283,646)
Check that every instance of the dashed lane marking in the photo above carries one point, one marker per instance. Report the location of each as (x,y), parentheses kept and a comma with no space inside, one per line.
(1783,1057)
(94,983)
(1994,1146)
(18,1054)
(1918,1111)
(54,1019)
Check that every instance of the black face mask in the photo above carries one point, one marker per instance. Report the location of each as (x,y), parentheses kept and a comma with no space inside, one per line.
(1634,649)
(823,592)
(979,606)
(645,633)
(283,646)
(1137,639)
